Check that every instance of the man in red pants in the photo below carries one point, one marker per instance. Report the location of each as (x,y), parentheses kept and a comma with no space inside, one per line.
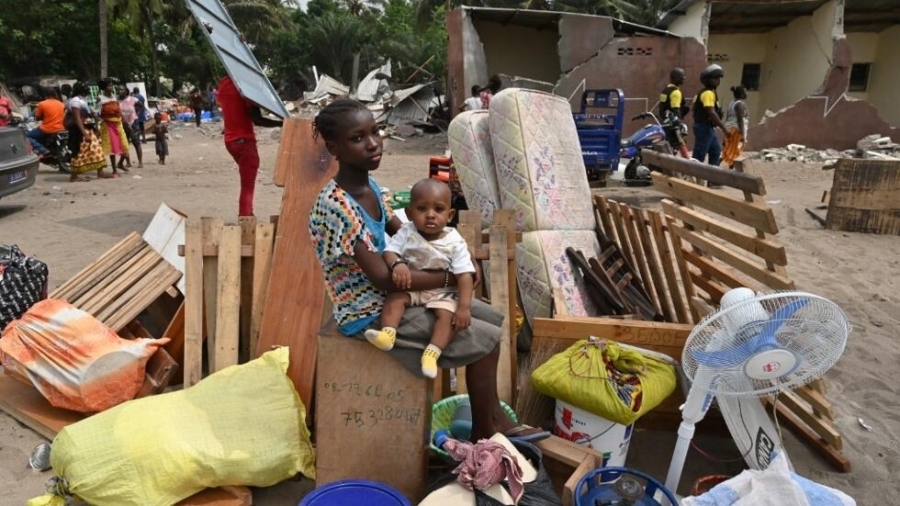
(239,115)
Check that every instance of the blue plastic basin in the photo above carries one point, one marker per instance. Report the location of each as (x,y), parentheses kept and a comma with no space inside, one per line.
(352,492)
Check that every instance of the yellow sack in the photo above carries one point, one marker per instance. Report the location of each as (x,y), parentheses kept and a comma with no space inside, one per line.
(615,382)
(244,425)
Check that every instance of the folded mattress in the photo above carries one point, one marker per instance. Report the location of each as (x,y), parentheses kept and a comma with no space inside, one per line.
(473,157)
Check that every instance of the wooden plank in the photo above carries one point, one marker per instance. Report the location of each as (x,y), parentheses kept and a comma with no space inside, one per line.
(213,251)
(650,252)
(722,273)
(669,266)
(865,197)
(117,281)
(175,346)
(624,242)
(831,454)
(290,151)
(753,214)
(821,426)
(588,464)
(566,452)
(212,232)
(165,234)
(228,299)
(102,264)
(678,249)
(502,297)
(295,295)
(103,276)
(673,165)
(262,264)
(712,287)
(766,248)
(27,405)
(141,295)
(820,405)
(601,207)
(366,404)
(668,338)
(192,366)
(732,258)
(248,233)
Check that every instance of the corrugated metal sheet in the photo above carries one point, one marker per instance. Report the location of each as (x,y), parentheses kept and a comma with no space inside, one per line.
(326,87)
(234,53)
(411,105)
(368,87)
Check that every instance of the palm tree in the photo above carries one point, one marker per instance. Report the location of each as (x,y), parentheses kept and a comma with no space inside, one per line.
(259,20)
(104,50)
(337,37)
(141,15)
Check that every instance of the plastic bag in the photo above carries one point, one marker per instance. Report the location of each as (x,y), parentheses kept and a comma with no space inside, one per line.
(73,359)
(244,425)
(608,380)
(538,492)
(23,281)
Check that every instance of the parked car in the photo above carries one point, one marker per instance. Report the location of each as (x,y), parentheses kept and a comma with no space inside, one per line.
(18,164)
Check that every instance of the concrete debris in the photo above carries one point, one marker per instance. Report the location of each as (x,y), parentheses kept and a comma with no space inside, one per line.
(873,146)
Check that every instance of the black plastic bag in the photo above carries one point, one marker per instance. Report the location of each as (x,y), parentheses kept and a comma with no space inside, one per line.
(23,282)
(539,492)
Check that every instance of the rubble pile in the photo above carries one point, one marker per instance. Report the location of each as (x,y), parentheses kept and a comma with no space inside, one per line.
(875,146)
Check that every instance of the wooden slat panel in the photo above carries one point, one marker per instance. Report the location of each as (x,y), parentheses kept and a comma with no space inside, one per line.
(668,338)
(674,165)
(84,294)
(765,248)
(193,303)
(832,454)
(820,426)
(248,238)
(677,247)
(109,292)
(756,215)
(722,273)
(296,292)
(820,405)
(865,197)
(212,231)
(712,287)
(622,240)
(262,265)
(669,266)
(106,261)
(228,295)
(638,250)
(601,207)
(142,294)
(732,258)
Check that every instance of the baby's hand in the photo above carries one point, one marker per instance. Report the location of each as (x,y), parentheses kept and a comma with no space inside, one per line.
(401,277)
(462,318)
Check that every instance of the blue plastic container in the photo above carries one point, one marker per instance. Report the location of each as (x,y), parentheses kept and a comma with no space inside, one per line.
(352,492)
(603,485)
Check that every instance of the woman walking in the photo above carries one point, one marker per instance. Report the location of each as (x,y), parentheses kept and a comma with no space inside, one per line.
(735,126)
(87,155)
(112,133)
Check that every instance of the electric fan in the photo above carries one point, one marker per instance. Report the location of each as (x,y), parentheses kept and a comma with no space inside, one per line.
(756,345)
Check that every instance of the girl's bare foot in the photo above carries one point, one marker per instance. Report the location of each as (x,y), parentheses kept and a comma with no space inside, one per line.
(78,179)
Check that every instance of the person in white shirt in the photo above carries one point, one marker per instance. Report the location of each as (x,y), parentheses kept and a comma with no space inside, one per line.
(473,103)
(426,243)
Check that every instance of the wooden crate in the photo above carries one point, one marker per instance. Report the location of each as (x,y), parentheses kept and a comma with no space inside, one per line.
(865,197)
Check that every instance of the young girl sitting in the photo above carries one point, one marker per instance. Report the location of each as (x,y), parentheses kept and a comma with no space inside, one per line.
(425,243)
(348,224)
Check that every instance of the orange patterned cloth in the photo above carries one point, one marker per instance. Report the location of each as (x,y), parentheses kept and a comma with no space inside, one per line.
(73,359)
(734,146)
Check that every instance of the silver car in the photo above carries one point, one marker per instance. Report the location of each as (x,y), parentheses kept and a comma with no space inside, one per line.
(18,165)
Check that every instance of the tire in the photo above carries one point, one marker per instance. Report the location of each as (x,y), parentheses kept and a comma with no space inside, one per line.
(631,168)
(63,157)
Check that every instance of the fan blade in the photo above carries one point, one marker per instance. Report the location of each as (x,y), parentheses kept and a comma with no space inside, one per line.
(728,357)
(777,319)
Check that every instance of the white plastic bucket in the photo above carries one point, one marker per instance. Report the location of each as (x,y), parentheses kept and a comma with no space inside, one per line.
(608,438)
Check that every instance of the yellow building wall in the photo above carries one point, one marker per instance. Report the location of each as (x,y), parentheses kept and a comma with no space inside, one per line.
(865,48)
(797,58)
(884,79)
(691,23)
(732,51)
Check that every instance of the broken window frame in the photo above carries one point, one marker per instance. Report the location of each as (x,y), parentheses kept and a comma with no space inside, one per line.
(751,82)
(859,83)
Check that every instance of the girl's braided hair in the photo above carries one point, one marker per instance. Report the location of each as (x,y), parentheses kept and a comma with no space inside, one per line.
(328,121)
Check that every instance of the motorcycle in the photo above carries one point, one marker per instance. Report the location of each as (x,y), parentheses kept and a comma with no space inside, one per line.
(57,144)
(666,137)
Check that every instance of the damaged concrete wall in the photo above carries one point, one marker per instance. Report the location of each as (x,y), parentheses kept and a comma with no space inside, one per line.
(798,57)
(884,81)
(827,119)
(639,65)
(518,50)
(732,52)
(694,23)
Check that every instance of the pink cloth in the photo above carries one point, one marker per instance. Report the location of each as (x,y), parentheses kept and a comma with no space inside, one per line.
(485,464)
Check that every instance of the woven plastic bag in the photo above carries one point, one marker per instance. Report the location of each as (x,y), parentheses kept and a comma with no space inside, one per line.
(244,425)
(74,360)
(616,382)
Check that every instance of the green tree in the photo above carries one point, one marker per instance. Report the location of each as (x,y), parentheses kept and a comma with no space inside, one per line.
(141,16)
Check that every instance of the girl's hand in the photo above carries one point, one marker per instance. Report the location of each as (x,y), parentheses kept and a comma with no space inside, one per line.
(401,277)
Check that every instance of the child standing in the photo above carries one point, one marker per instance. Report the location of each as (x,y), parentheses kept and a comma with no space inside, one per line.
(425,243)
(735,126)
(161,132)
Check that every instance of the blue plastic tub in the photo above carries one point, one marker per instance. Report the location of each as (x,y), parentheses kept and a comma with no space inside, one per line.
(601,486)
(351,492)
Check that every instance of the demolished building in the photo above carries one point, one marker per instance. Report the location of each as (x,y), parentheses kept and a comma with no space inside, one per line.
(568,53)
(821,73)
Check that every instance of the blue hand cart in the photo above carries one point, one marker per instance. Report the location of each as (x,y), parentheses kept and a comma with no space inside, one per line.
(599,124)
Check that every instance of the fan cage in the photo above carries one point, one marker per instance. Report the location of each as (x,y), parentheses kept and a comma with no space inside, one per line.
(816,334)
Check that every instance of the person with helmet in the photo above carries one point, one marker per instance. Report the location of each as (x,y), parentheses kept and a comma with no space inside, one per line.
(671,98)
(708,116)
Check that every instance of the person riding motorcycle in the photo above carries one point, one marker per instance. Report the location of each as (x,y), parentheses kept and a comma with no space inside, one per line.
(51,112)
(673,108)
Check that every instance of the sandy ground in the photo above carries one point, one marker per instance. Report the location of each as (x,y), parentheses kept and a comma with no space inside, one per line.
(68,225)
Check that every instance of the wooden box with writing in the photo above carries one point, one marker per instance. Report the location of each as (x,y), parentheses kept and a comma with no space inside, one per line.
(373,417)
